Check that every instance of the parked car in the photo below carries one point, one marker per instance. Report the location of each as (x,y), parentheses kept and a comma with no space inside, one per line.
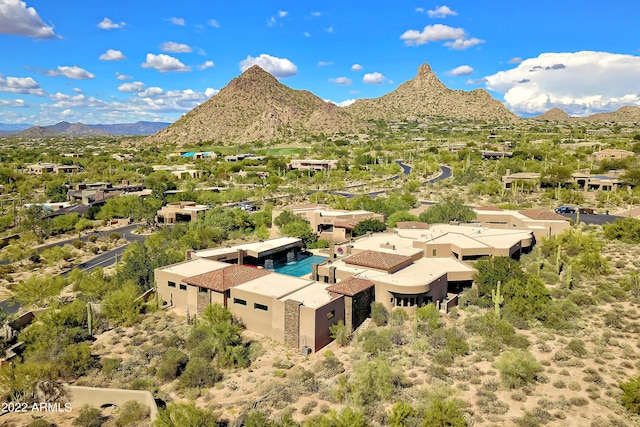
(565,210)
(587,211)
(248,207)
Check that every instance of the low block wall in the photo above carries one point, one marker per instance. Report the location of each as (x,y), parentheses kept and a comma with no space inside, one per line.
(97,397)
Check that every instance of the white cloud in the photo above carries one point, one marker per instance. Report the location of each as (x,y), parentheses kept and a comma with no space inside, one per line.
(432,33)
(174,47)
(316,14)
(210,92)
(356,67)
(455,38)
(18,19)
(580,83)
(462,44)
(344,103)
(75,73)
(329,30)
(13,103)
(341,81)
(21,85)
(278,67)
(131,87)
(282,13)
(420,9)
(306,34)
(108,24)
(515,60)
(122,76)
(373,78)
(112,55)
(164,63)
(325,63)
(176,21)
(152,92)
(206,64)
(214,23)
(441,12)
(462,70)
(77,90)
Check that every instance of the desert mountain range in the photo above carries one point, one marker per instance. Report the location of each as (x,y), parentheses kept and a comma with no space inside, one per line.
(255,106)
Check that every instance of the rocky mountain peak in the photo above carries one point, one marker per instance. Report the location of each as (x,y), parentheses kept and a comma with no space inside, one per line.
(424,69)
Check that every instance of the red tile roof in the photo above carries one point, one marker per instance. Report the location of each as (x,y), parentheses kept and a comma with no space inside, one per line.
(542,214)
(346,224)
(351,286)
(378,260)
(225,278)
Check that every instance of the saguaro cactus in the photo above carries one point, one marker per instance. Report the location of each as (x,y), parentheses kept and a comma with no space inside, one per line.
(569,277)
(90,318)
(558,261)
(497,299)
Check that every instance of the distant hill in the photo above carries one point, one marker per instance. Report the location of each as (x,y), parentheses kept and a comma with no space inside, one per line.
(256,107)
(426,96)
(627,114)
(79,129)
(9,127)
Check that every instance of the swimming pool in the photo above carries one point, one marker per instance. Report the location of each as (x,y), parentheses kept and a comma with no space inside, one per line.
(300,267)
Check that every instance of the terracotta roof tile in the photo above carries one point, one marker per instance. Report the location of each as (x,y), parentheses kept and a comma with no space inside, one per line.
(542,214)
(377,260)
(225,278)
(350,286)
(349,225)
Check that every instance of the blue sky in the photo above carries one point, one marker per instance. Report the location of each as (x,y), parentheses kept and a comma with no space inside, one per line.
(112,61)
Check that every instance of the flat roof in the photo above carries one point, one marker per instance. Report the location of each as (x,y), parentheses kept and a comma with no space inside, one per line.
(421,272)
(471,236)
(314,295)
(254,248)
(275,285)
(403,245)
(194,267)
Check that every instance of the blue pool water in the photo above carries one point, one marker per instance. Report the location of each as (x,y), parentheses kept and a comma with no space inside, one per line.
(300,267)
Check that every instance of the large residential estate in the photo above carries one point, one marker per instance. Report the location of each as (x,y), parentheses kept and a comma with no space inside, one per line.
(413,265)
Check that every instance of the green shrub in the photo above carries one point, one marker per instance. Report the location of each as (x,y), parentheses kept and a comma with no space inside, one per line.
(131,412)
(89,417)
(172,364)
(399,414)
(518,368)
(631,394)
(577,348)
(199,373)
(379,314)
(110,365)
(340,333)
(443,414)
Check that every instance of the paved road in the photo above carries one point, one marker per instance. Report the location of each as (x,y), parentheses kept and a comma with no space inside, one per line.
(598,219)
(105,259)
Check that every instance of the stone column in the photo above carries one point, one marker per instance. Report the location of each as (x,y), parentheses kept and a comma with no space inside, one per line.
(292,323)
(332,275)
(348,312)
(241,254)
(314,272)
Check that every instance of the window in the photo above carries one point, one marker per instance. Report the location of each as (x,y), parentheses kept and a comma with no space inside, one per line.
(260,307)
(183,287)
(434,252)
(239,301)
(331,314)
(172,284)
(203,290)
